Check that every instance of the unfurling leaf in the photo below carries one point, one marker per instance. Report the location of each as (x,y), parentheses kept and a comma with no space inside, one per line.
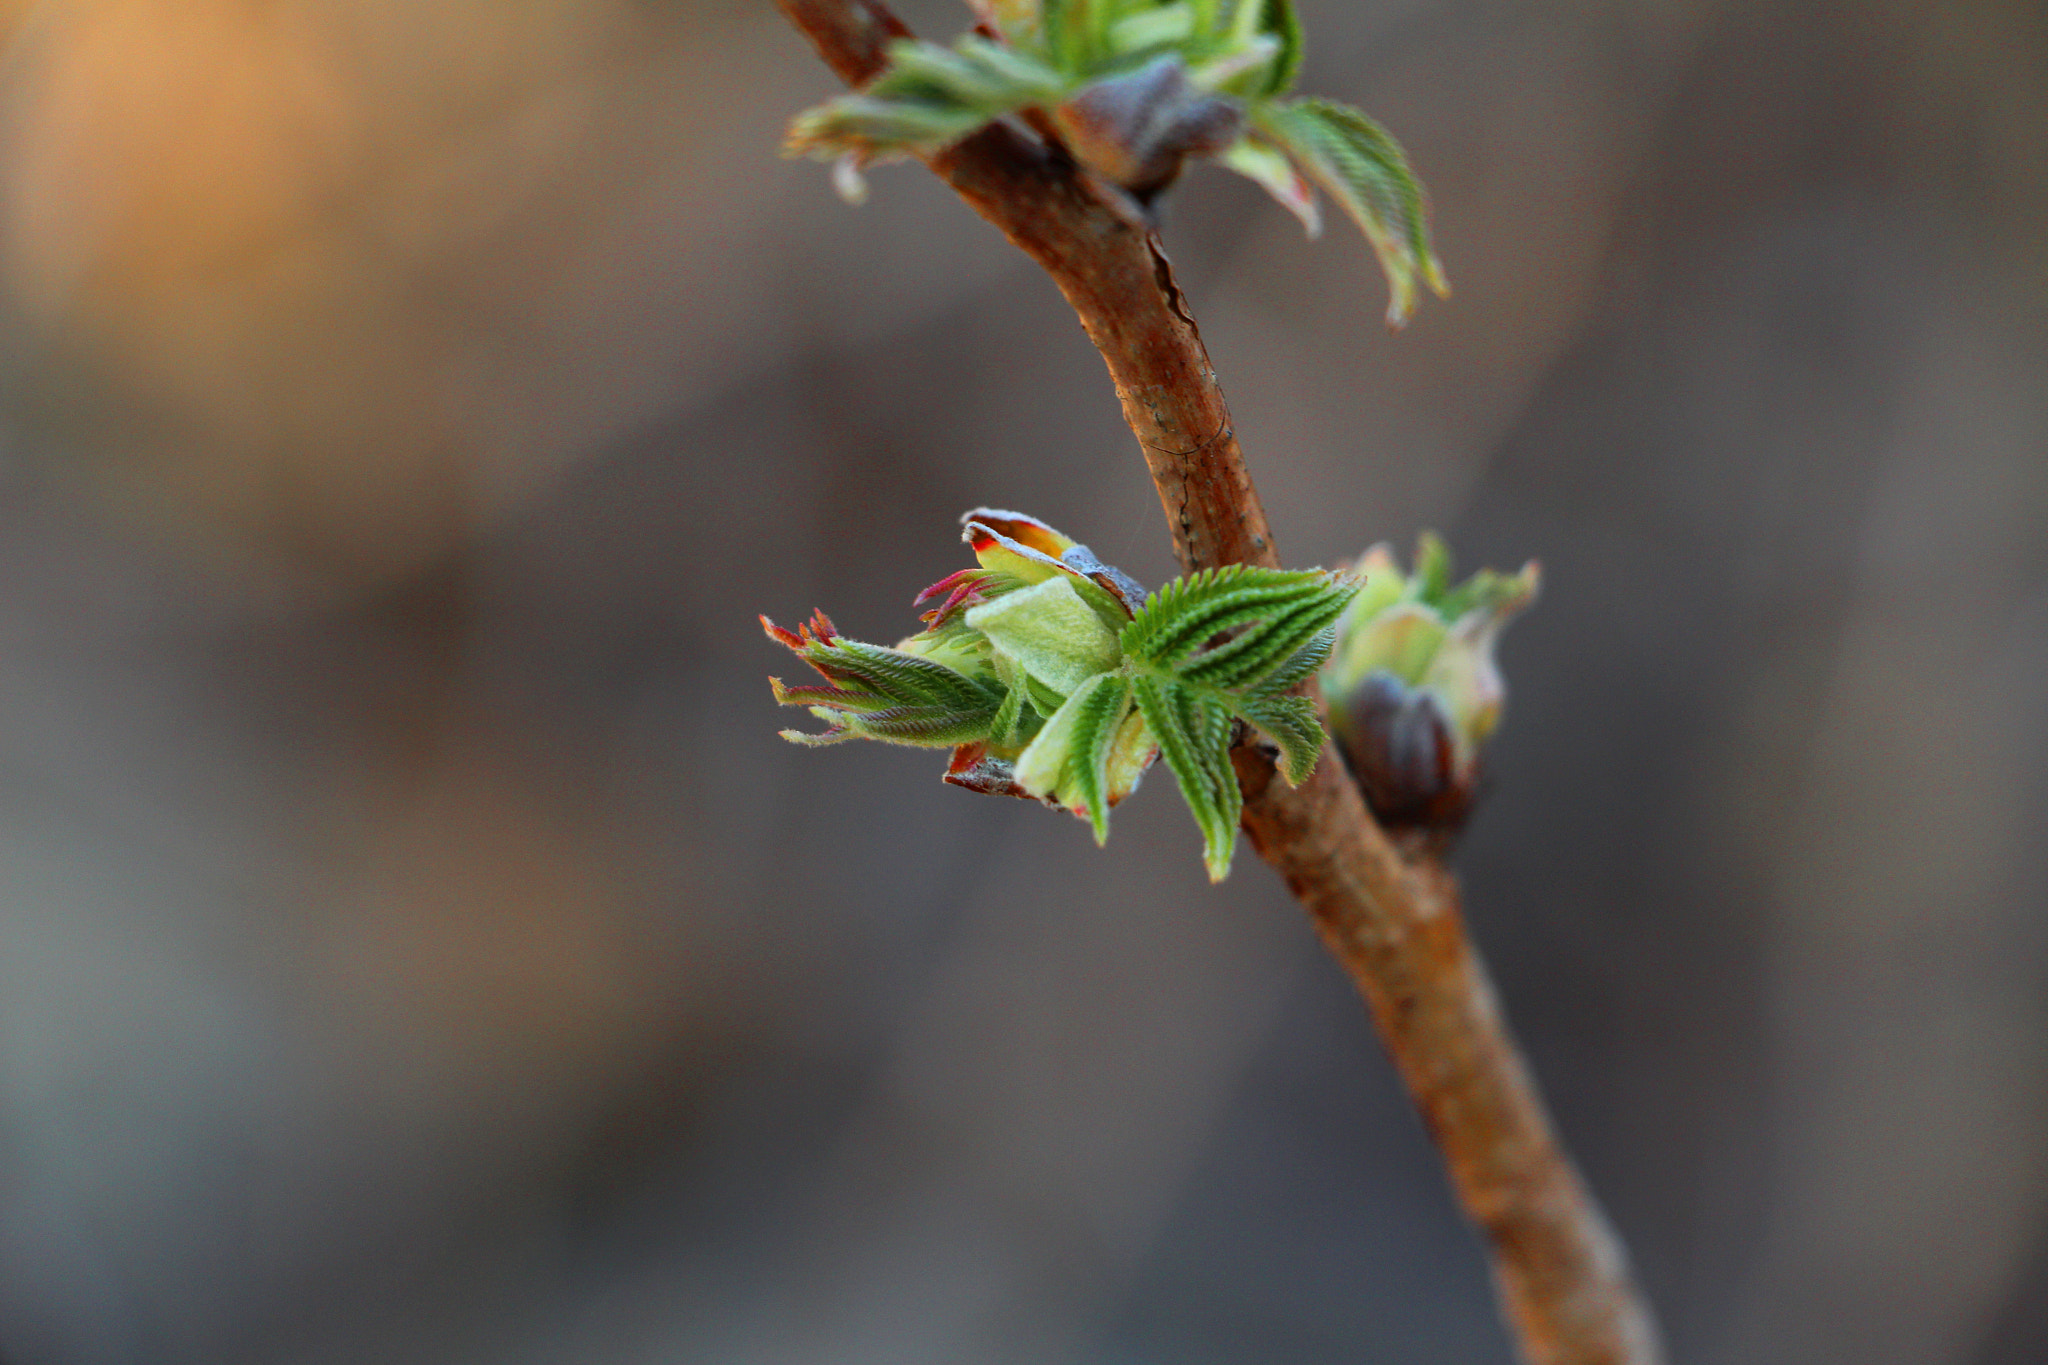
(1228,643)
(1132,90)
(1275,613)
(1069,763)
(1051,675)
(1367,173)
(1050,632)
(1193,732)
(886,694)
(929,97)
(1291,723)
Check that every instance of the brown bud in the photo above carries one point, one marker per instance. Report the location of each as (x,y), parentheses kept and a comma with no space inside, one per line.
(1137,130)
(1399,746)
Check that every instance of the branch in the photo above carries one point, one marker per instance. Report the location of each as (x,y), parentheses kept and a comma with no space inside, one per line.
(1394,924)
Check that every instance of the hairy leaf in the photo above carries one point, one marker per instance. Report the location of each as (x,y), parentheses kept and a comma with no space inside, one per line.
(930,97)
(884,694)
(1193,735)
(1367,173)
(1291,723)
(1265,165)
(1186,615)
(1002,728)
(1069,761)
(1264,644)
(1304,661)
(895,674)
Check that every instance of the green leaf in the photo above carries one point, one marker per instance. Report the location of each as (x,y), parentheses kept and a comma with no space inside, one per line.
(885,694)
(1367,173)
(1069,761)
(1276,613)
(895,676)
(1076,32)
(928,727)
(1265,165)
(1160,28)
(1292,724)
(1432,575)
(1193,733)
(1002,728)
(1266,644)
(1275,19)
(930,97)
(1229,643)
(1304,661)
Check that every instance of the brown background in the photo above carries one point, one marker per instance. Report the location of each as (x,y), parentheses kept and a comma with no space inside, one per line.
(415,944)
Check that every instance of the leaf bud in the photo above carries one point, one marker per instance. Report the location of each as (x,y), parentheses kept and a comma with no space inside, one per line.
(1413,688)
(1136,130)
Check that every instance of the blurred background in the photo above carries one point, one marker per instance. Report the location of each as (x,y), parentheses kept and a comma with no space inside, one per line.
(415,944)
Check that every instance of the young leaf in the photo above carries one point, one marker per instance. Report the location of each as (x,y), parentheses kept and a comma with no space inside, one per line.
(1276,19)
(1076,32)
(1304,661)
(1193,736)
(1002,729)
(1069,761)
(926,727)
(1266,166)
(1264,645)
(1159,28)
(1291,723)
(884,694)
(892,675)
(929,97)
(1185,615)
(1366,172)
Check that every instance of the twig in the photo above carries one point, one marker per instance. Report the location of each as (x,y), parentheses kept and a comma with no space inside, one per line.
(1394,923)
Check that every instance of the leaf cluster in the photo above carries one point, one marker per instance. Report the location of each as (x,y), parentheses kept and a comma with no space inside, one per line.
(1232,644)
(1039,697)
(1132,89)
(892,695)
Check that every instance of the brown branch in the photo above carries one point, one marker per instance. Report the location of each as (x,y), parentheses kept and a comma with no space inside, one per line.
(1394,923)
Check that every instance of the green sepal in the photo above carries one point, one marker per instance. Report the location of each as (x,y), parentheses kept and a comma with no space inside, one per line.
(1366,172)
